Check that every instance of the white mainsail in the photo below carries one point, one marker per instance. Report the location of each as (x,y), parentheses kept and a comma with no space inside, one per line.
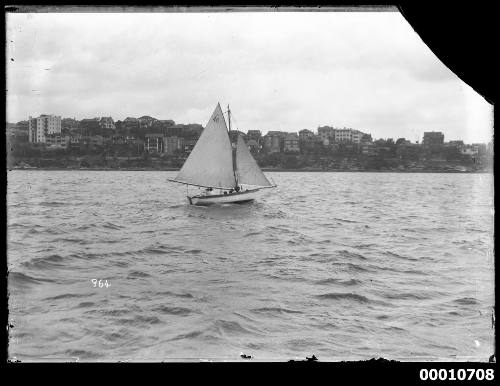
(247,170)
(210,163)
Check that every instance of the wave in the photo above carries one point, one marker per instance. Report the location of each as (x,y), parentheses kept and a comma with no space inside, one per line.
(53,203)
(466,301)
(405,296)
(346,221)
(140,320)
(275,310)
(68,296)
(338,281)
(85,304)
(356,267)
(194,251)
(252,234)
(72,240)
(344,296)
(110,225)
(19,278)
(44,262)
(176,294)
(82,354)
(20,225)
(137,274)
(231,327)
(393,254)
(155,250)
(189,335)
(114,312)
(348,254)
(181,311)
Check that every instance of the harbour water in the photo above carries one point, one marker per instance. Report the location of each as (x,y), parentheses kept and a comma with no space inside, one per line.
(345,266)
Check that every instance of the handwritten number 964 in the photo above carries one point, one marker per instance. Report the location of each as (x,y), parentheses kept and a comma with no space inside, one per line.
(100,283)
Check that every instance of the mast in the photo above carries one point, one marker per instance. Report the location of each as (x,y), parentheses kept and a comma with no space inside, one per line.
(234,149)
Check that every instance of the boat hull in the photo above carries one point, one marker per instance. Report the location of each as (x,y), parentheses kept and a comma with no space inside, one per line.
(233,198)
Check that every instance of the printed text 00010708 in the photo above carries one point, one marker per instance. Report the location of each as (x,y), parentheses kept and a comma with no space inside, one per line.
(460,375)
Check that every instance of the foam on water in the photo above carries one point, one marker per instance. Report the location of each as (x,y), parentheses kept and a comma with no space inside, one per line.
(340,265)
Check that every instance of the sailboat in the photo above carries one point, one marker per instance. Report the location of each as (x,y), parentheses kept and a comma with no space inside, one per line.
(215,164)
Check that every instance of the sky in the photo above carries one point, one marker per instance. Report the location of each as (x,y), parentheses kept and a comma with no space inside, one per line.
(277,70)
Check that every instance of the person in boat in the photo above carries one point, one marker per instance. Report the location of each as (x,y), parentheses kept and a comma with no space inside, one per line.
(209,192)
(237,189)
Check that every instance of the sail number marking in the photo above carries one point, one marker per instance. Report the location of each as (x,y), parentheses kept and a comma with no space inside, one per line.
(100,283)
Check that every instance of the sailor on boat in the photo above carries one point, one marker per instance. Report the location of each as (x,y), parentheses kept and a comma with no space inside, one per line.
(215,164)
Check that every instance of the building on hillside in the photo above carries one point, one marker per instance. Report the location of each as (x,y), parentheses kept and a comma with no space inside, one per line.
(18,132)
(343,135)
(366,138)
(162,124)
(326,133)
(173,144)
(256,135)
(57,141)
(146,121)
(369,149)
(457,144)
(253,145)
(130,123)
(291,143)
(107,123)
(357,136)
(188,144)
(308,141)
(89,126)
(305,135)
(273,142)
(95,141)
(40,127)
(154,143)
(433,138)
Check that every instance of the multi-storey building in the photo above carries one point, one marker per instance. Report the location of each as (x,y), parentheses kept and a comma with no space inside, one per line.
(291,143)
(188,144)
(146,121)
(107,123)
(433,138)
(171,144)
(274,141)
(253,145)
(357,136)
(344,135)
(57,141)
(39,128)
(326,133)
(305,135)
(130,123)
(154,143)
(256,135)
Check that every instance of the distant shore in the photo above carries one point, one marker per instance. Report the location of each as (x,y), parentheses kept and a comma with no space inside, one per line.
(267,170)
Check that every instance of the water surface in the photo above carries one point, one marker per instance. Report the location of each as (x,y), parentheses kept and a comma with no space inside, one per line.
(339,265)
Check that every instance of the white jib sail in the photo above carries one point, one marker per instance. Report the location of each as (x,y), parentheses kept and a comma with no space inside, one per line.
(211,160)
(247,170)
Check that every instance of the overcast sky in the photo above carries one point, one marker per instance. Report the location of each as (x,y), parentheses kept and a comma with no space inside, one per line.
(277,70)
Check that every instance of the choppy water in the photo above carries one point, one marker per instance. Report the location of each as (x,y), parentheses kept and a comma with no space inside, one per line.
(340,265)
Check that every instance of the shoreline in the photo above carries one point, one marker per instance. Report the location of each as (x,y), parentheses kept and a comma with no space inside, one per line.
(263,169)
